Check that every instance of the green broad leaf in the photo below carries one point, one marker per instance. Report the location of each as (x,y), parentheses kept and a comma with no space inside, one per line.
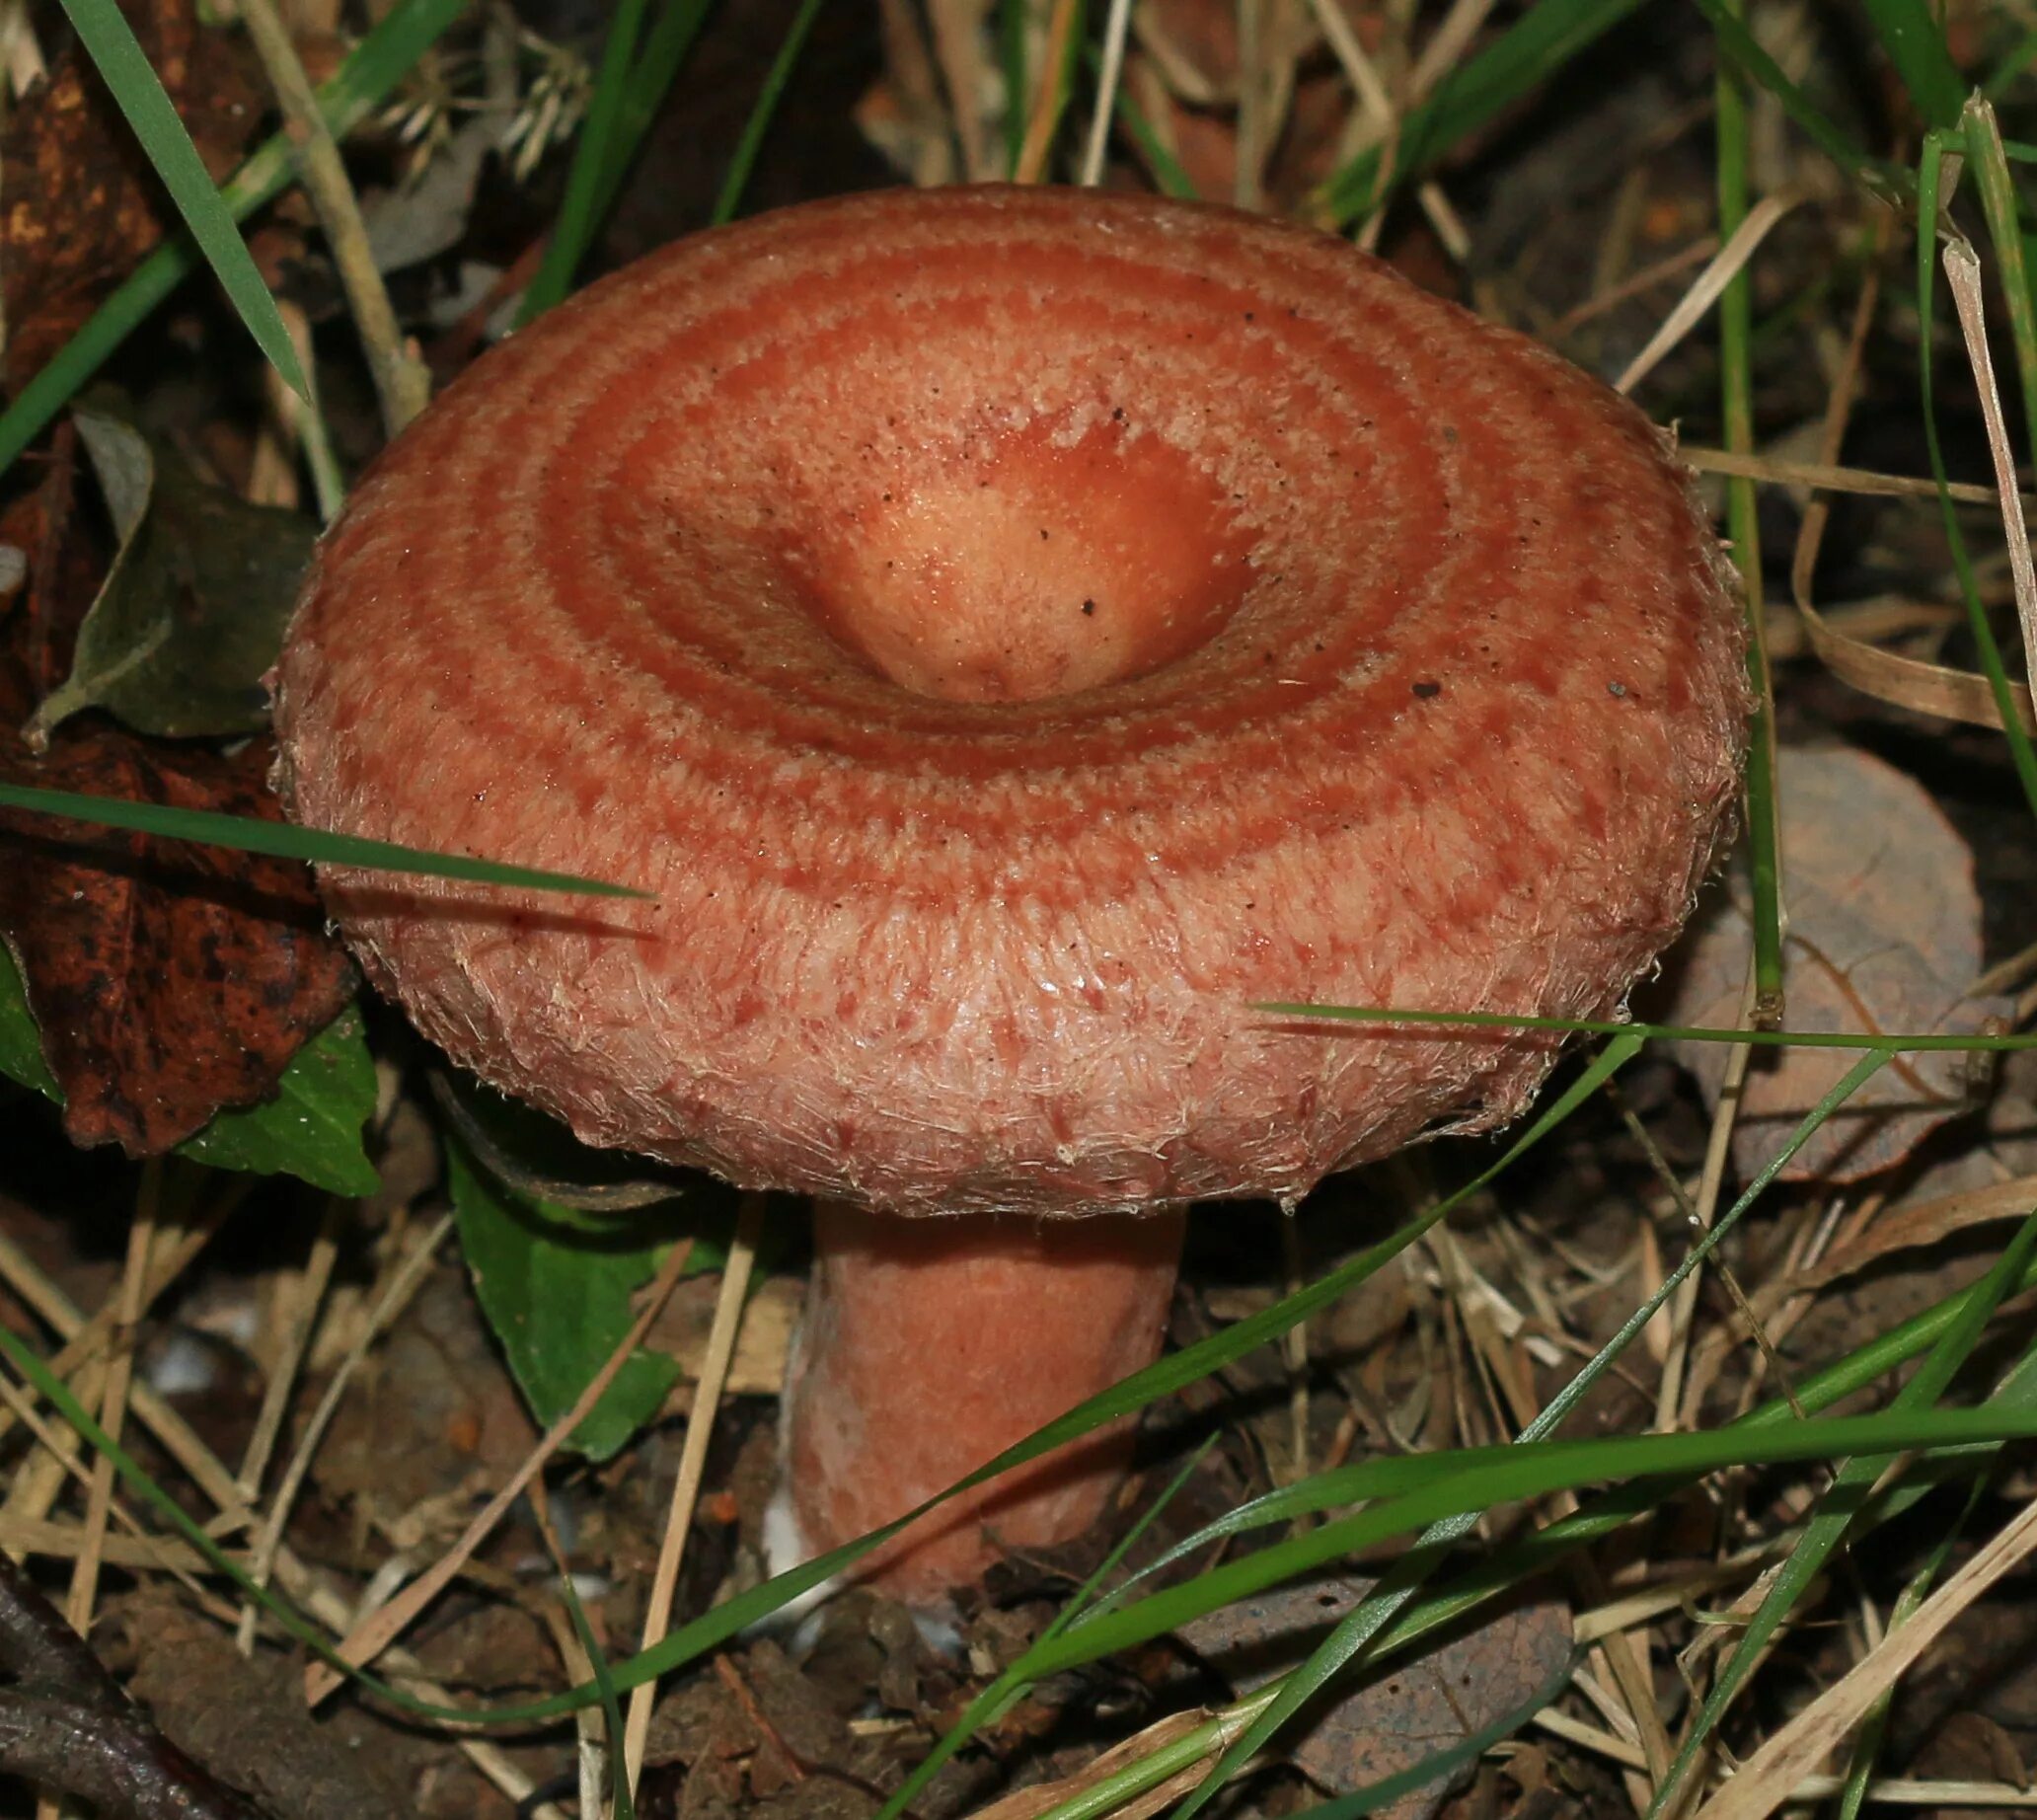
(557,1287)
(313,1128)
(111,42)
(192,613)
(21,1043)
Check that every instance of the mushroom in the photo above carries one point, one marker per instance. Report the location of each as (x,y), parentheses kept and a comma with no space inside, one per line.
(1010,633)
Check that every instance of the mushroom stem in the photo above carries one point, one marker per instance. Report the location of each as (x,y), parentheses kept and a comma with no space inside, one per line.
(930,1346)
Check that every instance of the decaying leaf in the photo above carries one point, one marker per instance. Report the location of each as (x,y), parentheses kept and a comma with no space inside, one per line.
(167,980)
(82,205)
(61,571)
(192,612)
(1884,935)
(1396,1716)
(313,1128)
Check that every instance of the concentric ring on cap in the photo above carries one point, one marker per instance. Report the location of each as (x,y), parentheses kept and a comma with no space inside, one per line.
(1012,630)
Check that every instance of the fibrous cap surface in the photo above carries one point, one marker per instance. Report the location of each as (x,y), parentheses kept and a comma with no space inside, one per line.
(1010,632)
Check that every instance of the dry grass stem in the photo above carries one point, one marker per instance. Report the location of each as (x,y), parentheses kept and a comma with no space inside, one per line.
(1634,284)
(86,1340)
(1963,275)
(83,1597)
(693,1460)
(368,1639)
(1114,32)
(1227,1726)
(307,1289)
(404,1283)
(590,1722)
(1670,1400)
(1767,1780)
(1830,479)
(1724,268)
(958,43)
(401,382)
(1046,99)
(23,1536)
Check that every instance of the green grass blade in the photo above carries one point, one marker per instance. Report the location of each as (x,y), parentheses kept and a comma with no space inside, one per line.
(1737,44)
(1611,1511)
(664,54)
(1829,1385)
(111,42)
(1915,45)
(380,62)
(1988,648)
(1444,1485)
(1007,1689)
(1011,29)
(283,840)
(2010,68)
(1840,1507)
(1414,1494)
(758,122)
(1350,1637)
(1534,48)
(623,1805)
(2018,1388)
(579,211)
(1743,532)
(1893,1042)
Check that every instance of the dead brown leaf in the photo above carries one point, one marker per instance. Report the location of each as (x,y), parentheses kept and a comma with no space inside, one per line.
(169,980)
(1884,935)
(1398,1718)
(83,208)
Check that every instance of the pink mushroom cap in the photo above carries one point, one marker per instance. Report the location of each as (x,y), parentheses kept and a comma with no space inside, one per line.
(1010,632)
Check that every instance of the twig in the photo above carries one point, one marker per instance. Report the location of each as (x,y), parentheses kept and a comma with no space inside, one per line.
(693,1458)
(69,1726)
(368,1639)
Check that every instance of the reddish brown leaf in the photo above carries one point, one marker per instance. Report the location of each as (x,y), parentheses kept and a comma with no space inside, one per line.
(169,981)
(82,207)
(64,575)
